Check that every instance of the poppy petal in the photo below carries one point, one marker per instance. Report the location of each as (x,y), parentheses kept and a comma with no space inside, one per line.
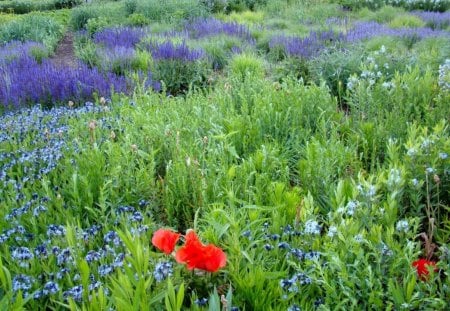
(165,240)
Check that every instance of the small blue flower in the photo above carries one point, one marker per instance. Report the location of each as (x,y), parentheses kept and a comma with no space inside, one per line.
(298,253)
(76,293)
(22,282)
(162,270)
(268,247)
(294,308)
(55,230)
(201,302)
(312,227)
(105,270)
(50,288)
(284,245)
(92,256)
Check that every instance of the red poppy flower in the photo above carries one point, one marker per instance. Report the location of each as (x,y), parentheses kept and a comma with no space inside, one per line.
(165,240)
(198,256)
(422,266)
(192,251)
(213,259)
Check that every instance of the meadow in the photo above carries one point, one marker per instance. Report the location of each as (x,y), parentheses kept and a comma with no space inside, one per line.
(224,155)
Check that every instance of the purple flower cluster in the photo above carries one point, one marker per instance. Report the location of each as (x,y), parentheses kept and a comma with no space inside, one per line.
(435,20)
(170,51)
(16,49)
(305,47)
(24,80)
(207,27)
(117,59)
(126,37)
(42,154)
(367,30)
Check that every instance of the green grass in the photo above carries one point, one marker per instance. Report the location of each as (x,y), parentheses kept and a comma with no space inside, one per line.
(322,179)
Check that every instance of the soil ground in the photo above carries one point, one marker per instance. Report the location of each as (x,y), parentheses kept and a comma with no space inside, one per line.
(64,54)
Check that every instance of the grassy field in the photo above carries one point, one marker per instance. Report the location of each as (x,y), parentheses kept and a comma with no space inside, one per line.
(225,155)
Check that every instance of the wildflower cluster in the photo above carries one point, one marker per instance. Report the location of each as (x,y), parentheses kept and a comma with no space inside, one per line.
(23,80)
(194,254)
(444,75)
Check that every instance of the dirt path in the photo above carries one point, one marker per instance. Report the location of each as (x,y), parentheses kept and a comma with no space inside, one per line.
(64,54)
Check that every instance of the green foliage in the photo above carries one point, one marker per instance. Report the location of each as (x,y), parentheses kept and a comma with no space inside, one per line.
(323,179)
(179,76)
(96,24)
(171,11)
(220,49)
(27,6)
(33,28)
(426,5)
(80,16)
(335,67)
(242,65)
(131,6)
(406,20)
(138,19)
(174,301)
(86,51)
(383,15)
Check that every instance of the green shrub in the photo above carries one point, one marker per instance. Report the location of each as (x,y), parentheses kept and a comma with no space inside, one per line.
(96,24)
(33,28)
(81,15)
(220,49)
(138,19)
(243,65)
(131,6)
(335,67)
(431,52)
(247,17)
(179,76)
(61,4)
(86,51)
(426,5)
(215,6)
(384,15)
(171,10)
(406,20)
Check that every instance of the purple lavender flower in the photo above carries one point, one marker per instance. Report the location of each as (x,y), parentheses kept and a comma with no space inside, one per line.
(207,27)
(170,51)
(435,20)
(126,37)
(367,30)
(24,80)
(116,59)
(305,47)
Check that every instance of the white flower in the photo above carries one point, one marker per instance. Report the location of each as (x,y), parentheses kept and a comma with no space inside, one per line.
(351,207)
(358,238)
(443,155)
(426,143)
(332,231)
(411,152)
(402,226)
(371,191)
(312,227)
(394,177)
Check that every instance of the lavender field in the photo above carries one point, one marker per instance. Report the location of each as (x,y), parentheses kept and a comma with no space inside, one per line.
(224,155)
